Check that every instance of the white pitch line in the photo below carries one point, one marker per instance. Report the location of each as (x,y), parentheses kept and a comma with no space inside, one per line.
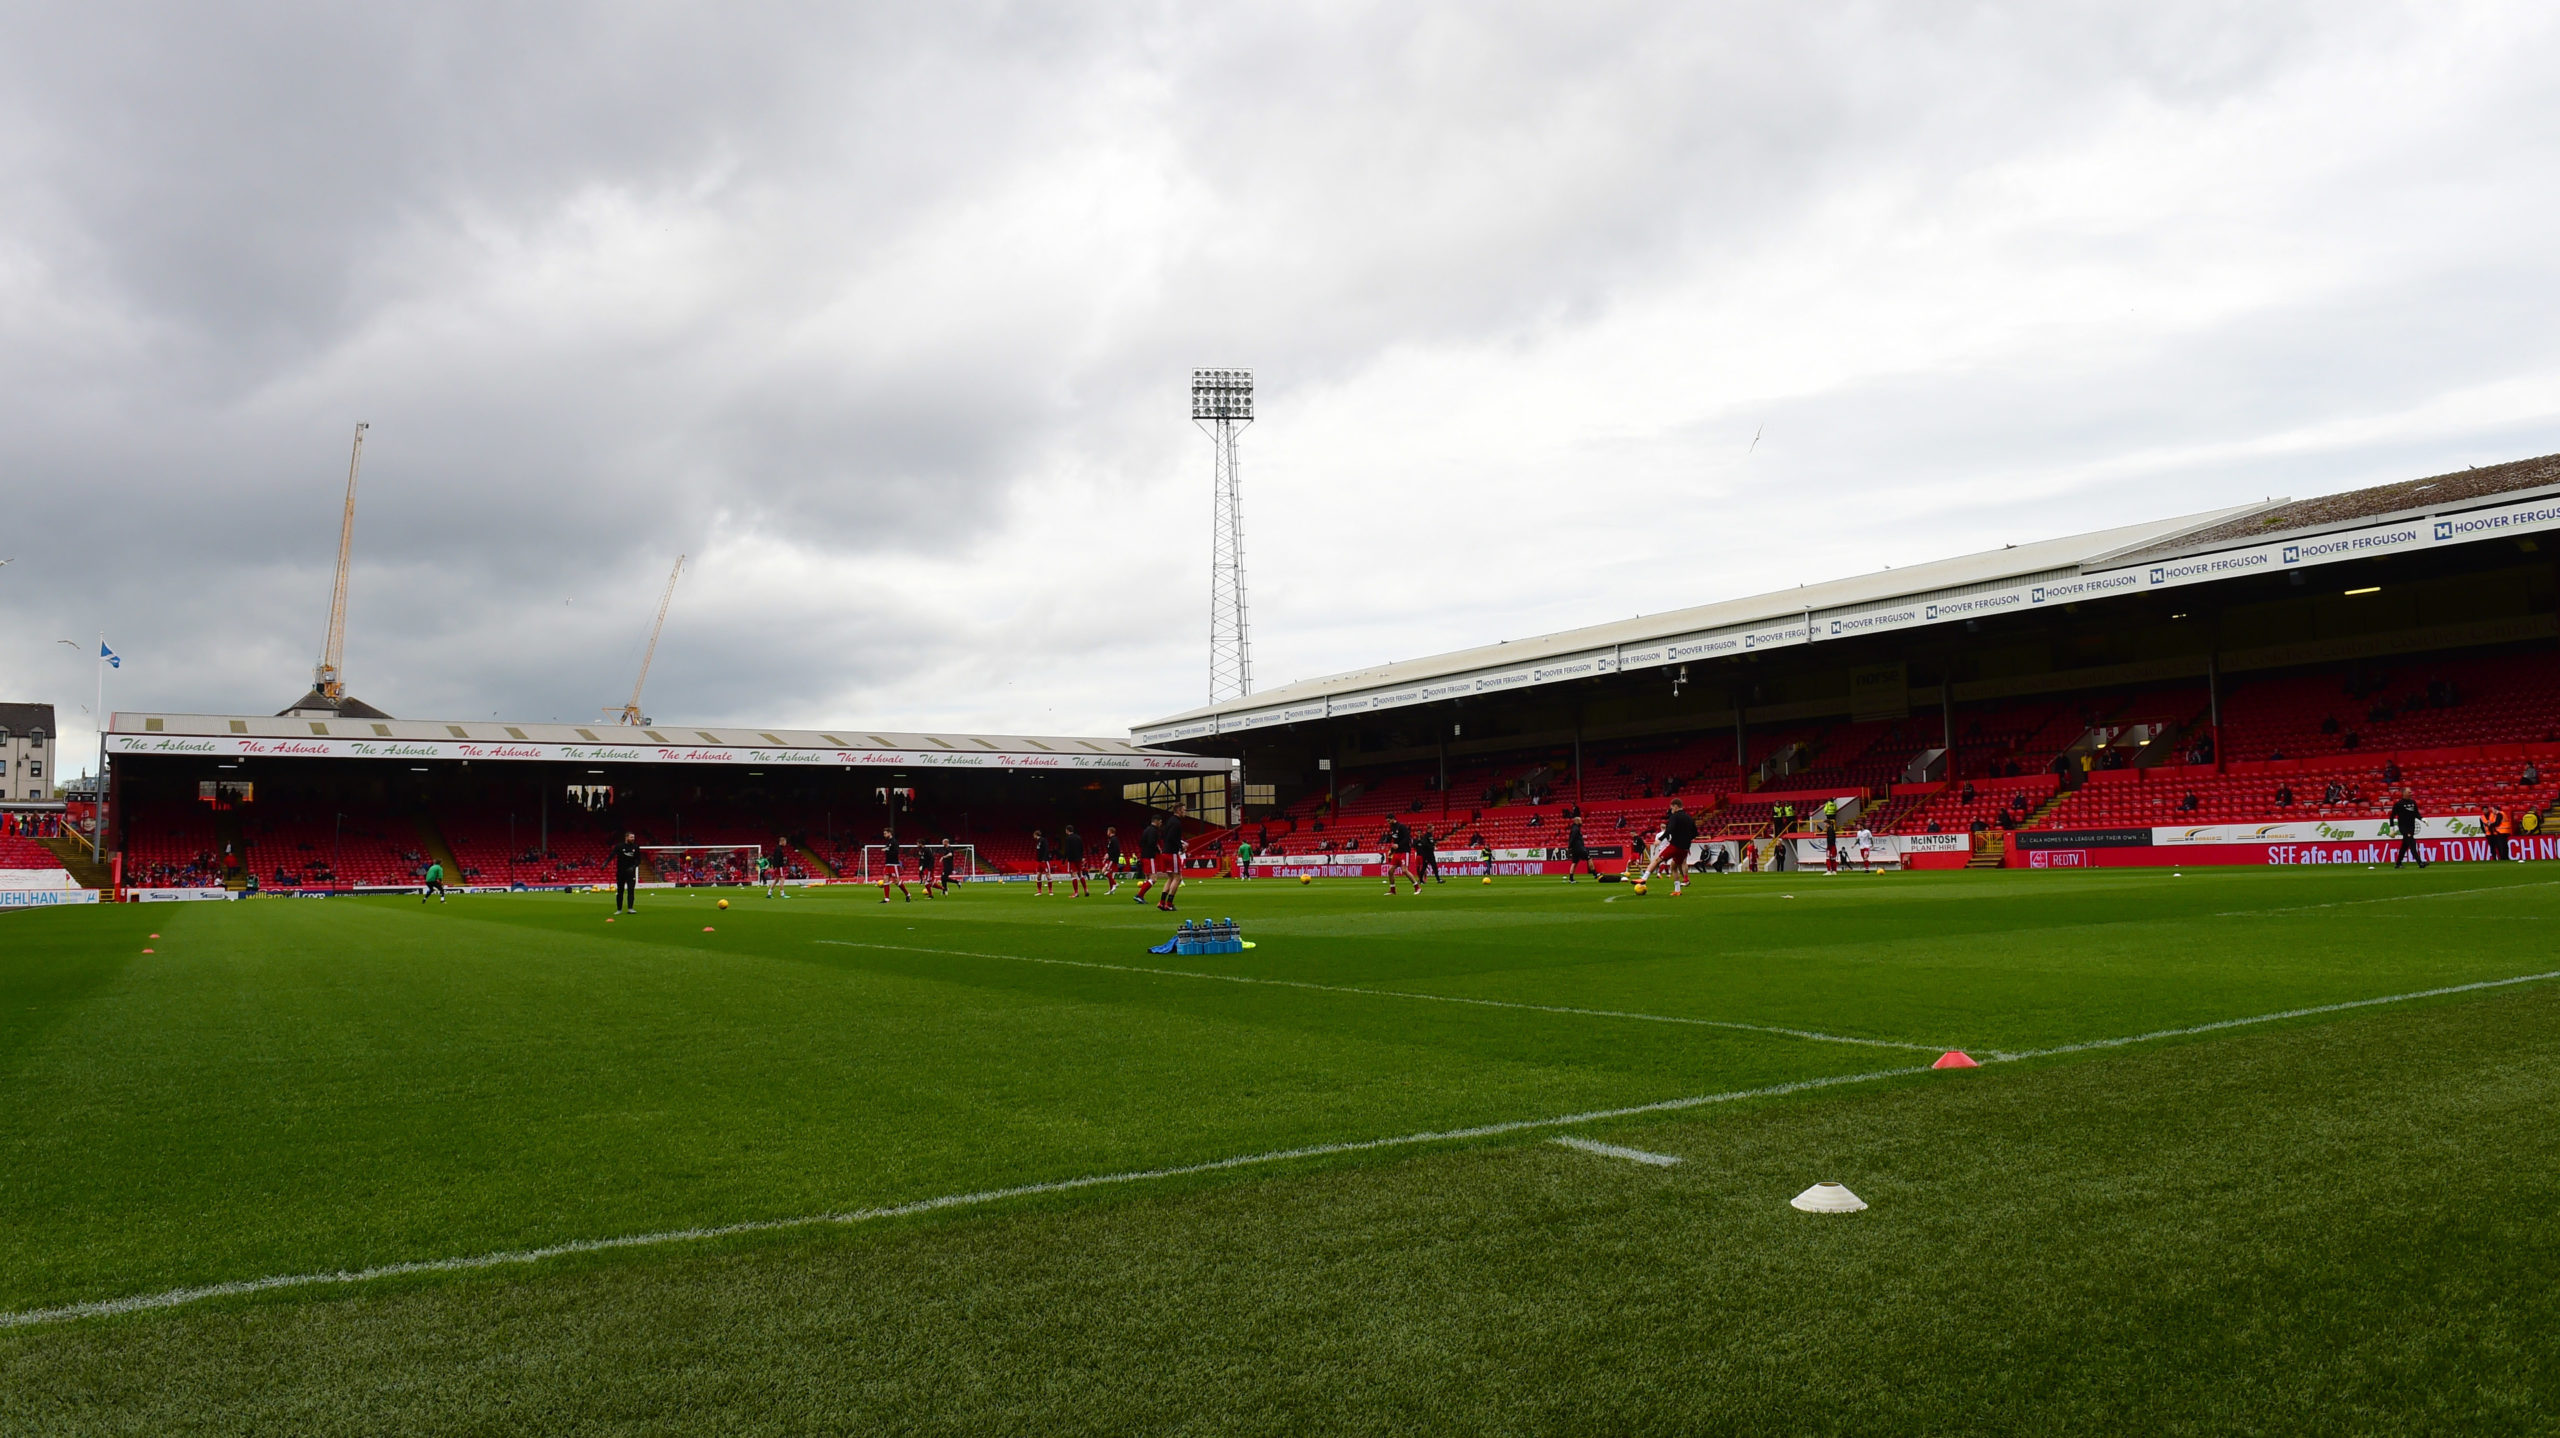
(2272,1018)
(1611,1150)
(2387,899)
(1400,994)
(179,1297)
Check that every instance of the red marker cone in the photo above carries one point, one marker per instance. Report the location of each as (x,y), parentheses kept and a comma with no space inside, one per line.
(1955,1059)
(706,928)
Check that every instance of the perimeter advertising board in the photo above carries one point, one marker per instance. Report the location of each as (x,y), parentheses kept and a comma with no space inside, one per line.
(2456,839)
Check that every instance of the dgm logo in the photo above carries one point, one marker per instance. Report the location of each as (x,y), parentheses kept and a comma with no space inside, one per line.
(2158,575)
(2293,554)
(2444,530)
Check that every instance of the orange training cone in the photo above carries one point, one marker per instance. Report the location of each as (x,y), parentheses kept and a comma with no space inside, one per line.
(1955,1059)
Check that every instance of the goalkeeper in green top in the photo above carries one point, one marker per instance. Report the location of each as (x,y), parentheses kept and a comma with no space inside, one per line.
(435,882)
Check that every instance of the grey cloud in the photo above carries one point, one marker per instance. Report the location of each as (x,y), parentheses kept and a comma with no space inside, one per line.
(617,281)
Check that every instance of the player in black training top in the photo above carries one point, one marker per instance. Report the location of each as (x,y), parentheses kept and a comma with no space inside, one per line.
(1577,854)
(1426,855)
(1111,860)
(1679,831)
(2404,819)
(626,875)
(893,867)
(1042,885)
(1169,843)
(1146,860)
(1071,854)
(1398,844)
(950,857)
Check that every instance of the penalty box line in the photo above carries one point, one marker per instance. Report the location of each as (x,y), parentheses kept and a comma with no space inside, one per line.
(1401,994)
(180,1297)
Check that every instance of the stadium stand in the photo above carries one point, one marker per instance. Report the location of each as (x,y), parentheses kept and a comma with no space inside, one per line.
(23,853)
(172,845)
(298,846)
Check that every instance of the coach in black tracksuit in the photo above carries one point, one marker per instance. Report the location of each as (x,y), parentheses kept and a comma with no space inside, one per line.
(2404,817)
(626,875)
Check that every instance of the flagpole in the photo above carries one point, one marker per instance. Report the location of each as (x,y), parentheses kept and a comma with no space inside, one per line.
(98,820)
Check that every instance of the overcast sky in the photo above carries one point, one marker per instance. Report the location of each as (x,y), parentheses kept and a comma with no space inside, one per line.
(885,318)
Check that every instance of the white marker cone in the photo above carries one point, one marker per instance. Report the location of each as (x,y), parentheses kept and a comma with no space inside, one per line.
(1828,1198)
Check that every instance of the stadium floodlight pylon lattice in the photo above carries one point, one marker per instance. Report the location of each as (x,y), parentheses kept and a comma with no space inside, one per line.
(1222,405)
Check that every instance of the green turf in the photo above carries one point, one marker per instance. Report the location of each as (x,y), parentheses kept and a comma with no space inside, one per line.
(2331,1221)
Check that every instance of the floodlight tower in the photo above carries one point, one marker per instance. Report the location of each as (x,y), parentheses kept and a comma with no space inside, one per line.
(1222,405)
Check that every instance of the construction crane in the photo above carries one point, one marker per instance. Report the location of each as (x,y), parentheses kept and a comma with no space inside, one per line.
(327,680)
(630,713)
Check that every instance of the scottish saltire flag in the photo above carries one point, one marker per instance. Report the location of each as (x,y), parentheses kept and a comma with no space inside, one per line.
(109,655)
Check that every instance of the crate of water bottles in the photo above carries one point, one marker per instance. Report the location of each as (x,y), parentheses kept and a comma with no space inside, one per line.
(1209,936)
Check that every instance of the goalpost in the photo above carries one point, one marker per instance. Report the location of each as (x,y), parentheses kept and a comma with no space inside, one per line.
(875,856)
(692,865)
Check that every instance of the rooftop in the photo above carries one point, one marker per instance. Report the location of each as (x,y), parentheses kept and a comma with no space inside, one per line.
(2106,562)
(301,736)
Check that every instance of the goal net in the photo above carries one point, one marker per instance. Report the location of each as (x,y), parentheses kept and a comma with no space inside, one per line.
(689,865)
(875,860)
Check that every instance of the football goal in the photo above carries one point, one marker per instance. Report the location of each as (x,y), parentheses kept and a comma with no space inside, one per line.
(964,860)
(691,865)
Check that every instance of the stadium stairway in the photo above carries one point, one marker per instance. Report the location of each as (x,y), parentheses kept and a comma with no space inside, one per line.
(810,860)
(74,854)
(431,839)
(1993,850)
(227,830)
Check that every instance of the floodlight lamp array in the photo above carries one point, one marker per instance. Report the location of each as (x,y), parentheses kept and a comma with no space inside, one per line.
(1222,394)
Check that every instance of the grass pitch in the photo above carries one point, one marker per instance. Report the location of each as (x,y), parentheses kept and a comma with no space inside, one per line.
(1330,1202)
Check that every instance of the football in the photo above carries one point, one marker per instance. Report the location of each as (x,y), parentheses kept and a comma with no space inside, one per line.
(1306,878)
(1639,886)
(1488,878)
(724,903)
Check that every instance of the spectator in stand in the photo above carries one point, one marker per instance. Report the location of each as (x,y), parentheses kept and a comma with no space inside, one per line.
(2352,741)
(2531,776)
(2391,771)
(2334,794)
(2188,803)
(1967,796)
(2329,724)
(2284,796)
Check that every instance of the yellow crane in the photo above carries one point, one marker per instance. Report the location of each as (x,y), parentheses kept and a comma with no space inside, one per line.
(630,713)
(327,679)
